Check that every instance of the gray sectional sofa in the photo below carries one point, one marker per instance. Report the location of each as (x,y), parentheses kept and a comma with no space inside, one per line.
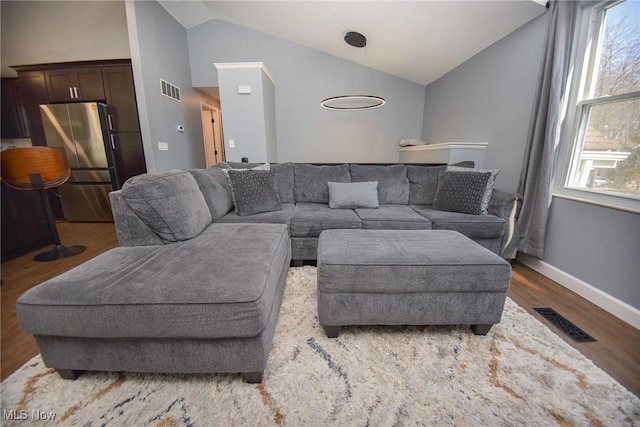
(406,202)
(196,285)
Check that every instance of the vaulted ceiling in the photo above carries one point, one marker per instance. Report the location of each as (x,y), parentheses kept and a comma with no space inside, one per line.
(417,40)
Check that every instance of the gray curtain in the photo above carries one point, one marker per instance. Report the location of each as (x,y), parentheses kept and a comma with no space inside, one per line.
(536,178)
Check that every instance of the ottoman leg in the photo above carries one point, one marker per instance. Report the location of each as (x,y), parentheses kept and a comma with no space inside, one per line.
(481,329)
(252,377)
(69,374)
(332,331)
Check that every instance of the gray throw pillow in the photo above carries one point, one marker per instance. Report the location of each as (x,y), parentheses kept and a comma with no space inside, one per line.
(255,191)
(170,203)
(488,190)
(461,192)
(353,195)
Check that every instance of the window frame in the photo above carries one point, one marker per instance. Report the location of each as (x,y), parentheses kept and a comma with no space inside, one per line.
(587,35)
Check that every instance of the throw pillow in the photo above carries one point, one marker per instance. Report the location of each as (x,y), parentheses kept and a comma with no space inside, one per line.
(490,183)
(170,203)
(255,191)
(461,191)
(225,171)
(352,195)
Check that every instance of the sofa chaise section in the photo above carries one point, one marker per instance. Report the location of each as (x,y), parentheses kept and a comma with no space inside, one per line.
(207,304)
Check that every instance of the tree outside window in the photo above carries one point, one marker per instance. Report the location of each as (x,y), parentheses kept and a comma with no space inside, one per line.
(606,157)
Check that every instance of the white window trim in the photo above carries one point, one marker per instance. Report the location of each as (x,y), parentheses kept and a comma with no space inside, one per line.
(588,27)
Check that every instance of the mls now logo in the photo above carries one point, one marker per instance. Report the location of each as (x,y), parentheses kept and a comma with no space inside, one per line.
(13,414)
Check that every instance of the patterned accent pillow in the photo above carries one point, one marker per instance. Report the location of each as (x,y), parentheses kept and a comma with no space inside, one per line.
(488,190)
(255,191)
(461,191)
(225,171)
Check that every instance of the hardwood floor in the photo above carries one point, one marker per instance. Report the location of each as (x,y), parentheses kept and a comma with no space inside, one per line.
(616,351)
(23,273)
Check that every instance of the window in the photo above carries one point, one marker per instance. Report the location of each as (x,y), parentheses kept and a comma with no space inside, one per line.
(602,163)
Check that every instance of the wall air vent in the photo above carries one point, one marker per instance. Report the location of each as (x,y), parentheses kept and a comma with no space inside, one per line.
(170,90)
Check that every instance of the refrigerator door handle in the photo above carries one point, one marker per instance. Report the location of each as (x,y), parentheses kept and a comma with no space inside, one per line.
(113,141)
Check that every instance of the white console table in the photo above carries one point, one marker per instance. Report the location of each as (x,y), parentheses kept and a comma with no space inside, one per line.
(448,152)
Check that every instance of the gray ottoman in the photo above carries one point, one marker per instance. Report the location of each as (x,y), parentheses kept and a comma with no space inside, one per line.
(418,277)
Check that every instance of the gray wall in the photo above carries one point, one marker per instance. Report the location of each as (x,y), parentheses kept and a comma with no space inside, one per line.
(490,97)
(159,51)
(244,116)
(303,77)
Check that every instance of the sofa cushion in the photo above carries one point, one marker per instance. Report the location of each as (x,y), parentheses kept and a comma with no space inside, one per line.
(393,185)
(255,191)
(284,177)
(398,262)
(282,216)
(170,203)
(461,191)
(423,182)
(310,219)
(311,181)
(473,226)
(142,292)
(215,189)
(392,217)
(351,195)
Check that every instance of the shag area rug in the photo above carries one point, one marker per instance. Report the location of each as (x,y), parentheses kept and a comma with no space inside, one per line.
(521,373)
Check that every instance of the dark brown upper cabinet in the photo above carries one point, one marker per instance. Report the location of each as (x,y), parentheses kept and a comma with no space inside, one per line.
(75,84)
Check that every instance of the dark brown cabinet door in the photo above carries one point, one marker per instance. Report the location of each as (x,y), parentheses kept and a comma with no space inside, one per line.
(75,85)
(33,91)
(14,117)
(129,155)
(121,98)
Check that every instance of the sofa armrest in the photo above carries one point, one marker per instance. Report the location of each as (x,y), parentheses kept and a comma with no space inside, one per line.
(504,204)
(130,229)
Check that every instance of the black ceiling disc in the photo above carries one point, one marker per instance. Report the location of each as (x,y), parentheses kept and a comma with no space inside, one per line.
(355,39)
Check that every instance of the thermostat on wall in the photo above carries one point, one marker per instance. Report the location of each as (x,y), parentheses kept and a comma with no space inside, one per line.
(244,89)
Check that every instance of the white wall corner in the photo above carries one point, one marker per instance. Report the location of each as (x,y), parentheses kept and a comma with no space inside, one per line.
(618,308)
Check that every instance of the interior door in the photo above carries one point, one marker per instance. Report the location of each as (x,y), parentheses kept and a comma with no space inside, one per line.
(209,141)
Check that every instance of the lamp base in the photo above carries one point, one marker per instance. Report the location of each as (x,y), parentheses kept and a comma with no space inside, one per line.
(59,252)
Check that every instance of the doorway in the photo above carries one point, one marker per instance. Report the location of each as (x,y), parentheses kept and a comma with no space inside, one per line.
(212,133)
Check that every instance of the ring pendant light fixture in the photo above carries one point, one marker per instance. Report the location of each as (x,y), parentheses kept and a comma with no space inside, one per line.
(354,102)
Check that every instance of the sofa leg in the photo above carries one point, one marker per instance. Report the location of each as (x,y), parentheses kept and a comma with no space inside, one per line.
(332,331)
(481,329)
(252,377)
(297,262)
(69,374)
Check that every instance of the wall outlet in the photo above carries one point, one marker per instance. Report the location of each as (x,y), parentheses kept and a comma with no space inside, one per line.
(163,146)
(232,143)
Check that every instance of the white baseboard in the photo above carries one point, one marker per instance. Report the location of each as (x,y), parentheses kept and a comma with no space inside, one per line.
(618,308)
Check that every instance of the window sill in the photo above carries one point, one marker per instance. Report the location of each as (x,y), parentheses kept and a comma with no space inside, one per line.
(610,201)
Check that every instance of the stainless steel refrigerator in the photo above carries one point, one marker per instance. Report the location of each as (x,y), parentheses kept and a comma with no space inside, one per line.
(81,130)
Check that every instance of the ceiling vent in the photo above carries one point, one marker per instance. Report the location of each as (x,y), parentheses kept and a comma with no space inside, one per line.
(170,90)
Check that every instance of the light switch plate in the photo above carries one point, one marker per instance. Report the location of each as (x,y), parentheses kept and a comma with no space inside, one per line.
(163,146)
(244,90)
(232,143)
